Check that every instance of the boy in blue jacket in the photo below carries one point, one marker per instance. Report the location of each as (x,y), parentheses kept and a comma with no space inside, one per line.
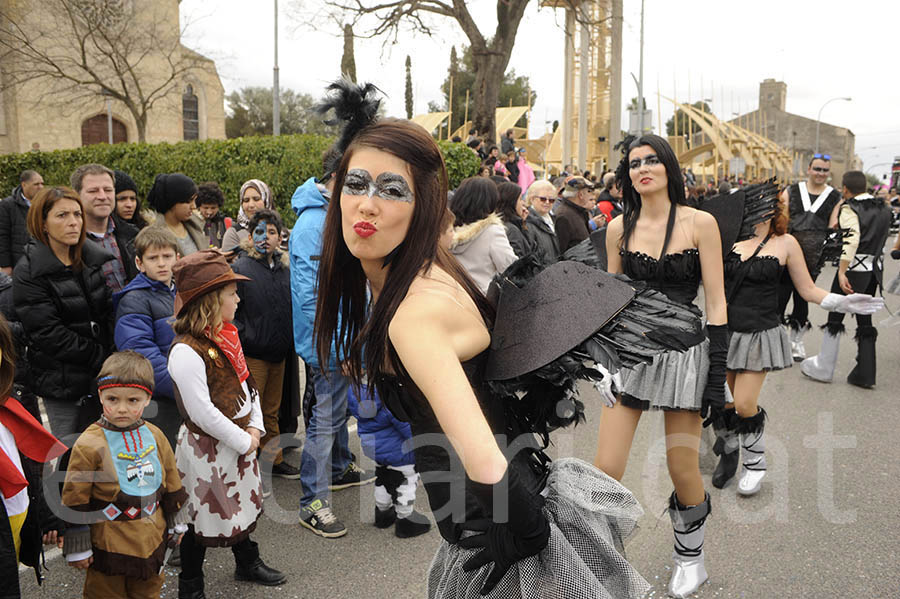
(382,437)
(144,310)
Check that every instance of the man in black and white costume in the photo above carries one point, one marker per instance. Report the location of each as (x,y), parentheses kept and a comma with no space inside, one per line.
(868,220)
(813,212)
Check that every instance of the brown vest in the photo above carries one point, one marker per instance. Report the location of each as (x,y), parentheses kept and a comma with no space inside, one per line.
(225,389)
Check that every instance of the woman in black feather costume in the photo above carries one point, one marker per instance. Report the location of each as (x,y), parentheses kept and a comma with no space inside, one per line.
(670,246)
(759,344)
(512,524)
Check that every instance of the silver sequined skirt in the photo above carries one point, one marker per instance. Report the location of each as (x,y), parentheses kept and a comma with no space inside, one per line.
(760,350)
(673,381)
(590,515)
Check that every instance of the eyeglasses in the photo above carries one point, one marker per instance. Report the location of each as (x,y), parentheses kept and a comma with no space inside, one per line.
(822,156)
(820,169)
(544,199)
(651,160)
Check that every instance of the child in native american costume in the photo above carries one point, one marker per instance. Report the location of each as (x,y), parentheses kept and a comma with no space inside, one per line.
(122,489)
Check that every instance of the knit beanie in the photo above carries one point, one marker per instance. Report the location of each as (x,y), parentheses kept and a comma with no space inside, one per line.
(171,189)
(124,183)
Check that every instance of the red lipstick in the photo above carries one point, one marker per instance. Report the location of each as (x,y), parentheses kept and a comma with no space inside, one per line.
(364,229)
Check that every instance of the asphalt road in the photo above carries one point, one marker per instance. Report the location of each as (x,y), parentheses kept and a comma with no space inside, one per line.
(825,524)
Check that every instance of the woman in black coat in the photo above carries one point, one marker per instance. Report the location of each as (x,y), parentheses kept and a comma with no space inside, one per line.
(65,307)
(540,198)
(511,209)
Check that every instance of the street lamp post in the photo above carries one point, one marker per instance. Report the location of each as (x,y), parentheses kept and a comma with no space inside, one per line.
(819,118)
(276,92)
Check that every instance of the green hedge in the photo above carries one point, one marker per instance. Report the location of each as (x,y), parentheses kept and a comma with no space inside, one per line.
(283,162)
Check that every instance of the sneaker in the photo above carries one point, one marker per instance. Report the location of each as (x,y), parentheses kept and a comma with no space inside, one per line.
(285,470)
(353,476)
(319,518)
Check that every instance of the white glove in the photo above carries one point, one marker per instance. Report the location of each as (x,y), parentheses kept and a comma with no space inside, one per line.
(608,386)
(855,303)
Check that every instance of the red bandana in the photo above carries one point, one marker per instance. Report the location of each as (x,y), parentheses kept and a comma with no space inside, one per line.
(32,439)
(230,343)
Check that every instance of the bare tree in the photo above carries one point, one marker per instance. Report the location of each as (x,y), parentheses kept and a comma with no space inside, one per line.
(490,55)
(73,51)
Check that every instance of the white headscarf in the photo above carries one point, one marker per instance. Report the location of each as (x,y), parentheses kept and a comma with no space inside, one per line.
(264,192)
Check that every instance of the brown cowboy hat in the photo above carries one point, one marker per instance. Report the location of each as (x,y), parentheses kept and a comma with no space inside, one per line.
(199,273)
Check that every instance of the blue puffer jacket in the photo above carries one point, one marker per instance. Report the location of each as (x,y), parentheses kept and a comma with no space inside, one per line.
(380,434)
(144,314)
(310,206)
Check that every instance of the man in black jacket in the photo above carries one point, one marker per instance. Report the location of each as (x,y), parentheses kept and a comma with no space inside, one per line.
(573,213)
(260,319)
(13,212)
(96,187)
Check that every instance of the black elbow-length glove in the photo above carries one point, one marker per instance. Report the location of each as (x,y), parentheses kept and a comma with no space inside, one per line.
(524,531)
(714,394)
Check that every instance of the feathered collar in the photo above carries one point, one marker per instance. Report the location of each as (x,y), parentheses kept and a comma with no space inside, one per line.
(467,233)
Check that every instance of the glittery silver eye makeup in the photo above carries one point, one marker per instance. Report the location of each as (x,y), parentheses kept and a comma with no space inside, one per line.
(392,186)
(389,186)
(358,182)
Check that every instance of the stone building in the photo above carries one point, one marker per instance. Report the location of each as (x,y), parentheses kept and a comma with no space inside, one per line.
(39,113)
(797,133)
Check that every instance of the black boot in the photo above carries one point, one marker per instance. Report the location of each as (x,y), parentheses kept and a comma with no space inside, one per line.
(863,374)
(190,588)
(384,518)
(727,447)
(412,526)
(249,567)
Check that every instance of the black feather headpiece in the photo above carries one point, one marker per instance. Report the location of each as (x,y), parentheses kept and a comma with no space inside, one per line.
(355,107)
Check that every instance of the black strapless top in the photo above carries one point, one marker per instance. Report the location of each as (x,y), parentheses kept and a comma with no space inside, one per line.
(754,306)
(442,473)
(680,273)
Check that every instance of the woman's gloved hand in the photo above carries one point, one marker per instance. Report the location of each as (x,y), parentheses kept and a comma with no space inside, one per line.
(713,400)
(517,529)
(855,303)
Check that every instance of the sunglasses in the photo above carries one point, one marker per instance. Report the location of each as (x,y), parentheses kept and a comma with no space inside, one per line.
(820,169)
(822,156)
(544,199)
(651,160)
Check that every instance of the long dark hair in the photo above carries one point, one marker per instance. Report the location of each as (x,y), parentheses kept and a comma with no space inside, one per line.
(631,200)
(506,205)
(343,316)
(473,200)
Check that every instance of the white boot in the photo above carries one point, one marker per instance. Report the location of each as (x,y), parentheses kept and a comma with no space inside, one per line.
(689,526)
(753,443)
(821,367)
(798,350)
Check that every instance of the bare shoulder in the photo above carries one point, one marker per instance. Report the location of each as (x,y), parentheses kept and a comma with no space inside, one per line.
(434,299)
(615,226)
(700,218)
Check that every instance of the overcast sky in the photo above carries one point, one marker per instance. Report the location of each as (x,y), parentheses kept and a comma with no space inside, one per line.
(717,49)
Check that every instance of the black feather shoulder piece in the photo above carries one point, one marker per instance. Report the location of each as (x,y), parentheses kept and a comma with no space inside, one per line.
(760,204)
(355,107)
(556,324)
(738,212)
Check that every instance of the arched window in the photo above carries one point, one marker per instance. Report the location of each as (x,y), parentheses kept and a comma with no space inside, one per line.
(95,130)
(190,113)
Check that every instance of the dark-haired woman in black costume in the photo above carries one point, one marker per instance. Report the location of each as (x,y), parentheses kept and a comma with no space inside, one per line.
(672,247)
(512,526)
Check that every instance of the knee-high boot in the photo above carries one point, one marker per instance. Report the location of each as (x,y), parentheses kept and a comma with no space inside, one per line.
(821,366)
(753,443)
(689,526)
(798,331)
(727,447)
(863,374)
